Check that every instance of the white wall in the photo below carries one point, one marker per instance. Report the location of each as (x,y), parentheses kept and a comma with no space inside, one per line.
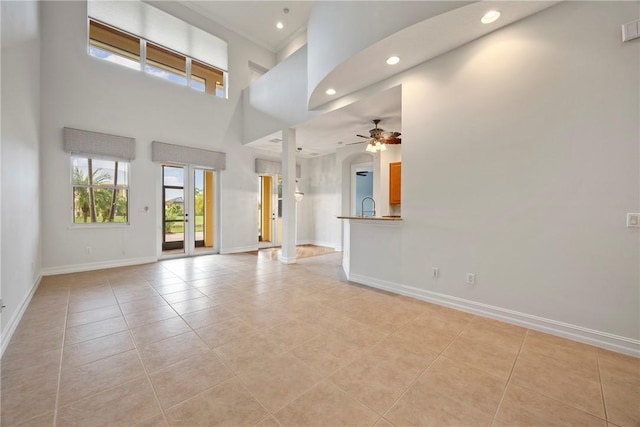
(322,202)
(288,80)
(21,244)
(87,93)
(520,161)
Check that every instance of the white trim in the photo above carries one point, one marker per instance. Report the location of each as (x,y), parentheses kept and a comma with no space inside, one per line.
(97,265)
(287,260)
(238,249)
(17,316)
(577,333)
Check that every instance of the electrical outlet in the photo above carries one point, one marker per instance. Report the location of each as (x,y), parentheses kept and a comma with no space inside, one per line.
(471,278)
(436,272)
(633,220)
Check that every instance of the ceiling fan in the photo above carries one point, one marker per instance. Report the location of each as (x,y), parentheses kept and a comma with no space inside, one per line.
(378,138)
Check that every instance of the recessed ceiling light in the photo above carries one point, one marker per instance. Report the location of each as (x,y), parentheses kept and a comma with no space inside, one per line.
(491,16)
(330,92)
(393,60)
(279,25)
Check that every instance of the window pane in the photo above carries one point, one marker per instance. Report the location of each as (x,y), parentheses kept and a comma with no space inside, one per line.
(206,78)
(114,45)
(104,172)
(80,171)
(122,206)
(166,64)
(110,172)
(81,205)
(173,176)
(95,205)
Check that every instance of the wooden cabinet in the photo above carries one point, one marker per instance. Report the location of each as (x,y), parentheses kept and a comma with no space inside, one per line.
(395,182)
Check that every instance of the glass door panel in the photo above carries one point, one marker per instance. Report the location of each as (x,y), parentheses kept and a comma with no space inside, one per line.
(175,215)
(203,202)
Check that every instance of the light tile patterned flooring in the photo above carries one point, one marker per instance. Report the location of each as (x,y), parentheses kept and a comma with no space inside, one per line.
(244,340)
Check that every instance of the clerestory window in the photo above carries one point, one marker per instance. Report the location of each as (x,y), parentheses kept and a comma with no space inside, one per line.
(117,46)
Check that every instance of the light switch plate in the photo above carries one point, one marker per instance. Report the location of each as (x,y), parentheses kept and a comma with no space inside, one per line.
(633,220)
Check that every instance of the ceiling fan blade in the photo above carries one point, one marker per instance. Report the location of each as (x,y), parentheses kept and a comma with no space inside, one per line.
(393,140)
(362,136)
(391,134)
(354,143)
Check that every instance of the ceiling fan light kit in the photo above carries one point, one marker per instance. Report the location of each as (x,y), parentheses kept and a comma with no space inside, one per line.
(378,138)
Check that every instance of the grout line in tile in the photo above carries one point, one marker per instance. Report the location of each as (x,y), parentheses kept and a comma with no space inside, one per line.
(513,367)
(581,409)
(604,402)
(384,415)
(146,372)
(64,333)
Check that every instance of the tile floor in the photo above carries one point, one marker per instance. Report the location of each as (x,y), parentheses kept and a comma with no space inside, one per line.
(244,340)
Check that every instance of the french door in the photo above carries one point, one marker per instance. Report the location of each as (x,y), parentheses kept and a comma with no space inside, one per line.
(269,211)
(188,200)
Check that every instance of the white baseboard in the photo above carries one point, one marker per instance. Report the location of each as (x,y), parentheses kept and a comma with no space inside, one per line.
(17,316)
(49,271)
(573,332)
(238,249)
(325,244)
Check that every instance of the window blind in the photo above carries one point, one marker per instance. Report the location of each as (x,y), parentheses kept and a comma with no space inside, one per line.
(272,167)
(150,23)
(89,143)
(170,153)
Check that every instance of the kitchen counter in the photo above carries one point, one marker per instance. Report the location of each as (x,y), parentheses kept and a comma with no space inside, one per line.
(374,218)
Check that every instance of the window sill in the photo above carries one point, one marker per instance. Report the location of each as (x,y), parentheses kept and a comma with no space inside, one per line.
(98,225)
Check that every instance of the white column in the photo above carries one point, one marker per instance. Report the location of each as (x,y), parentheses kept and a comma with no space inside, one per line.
(288,252)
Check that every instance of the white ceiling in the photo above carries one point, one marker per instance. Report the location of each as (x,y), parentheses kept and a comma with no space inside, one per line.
(335,129)
(256,20)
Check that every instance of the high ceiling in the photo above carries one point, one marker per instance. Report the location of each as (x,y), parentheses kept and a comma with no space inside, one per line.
(325,133)
(256,20)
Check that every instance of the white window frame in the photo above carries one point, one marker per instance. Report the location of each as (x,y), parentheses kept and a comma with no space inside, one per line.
(96,224)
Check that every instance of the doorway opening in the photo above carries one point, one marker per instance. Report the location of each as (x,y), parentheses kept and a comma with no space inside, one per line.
(362,186)
(188,199)
(269,211)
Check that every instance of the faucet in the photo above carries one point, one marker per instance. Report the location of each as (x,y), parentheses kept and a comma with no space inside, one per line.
(362,211)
